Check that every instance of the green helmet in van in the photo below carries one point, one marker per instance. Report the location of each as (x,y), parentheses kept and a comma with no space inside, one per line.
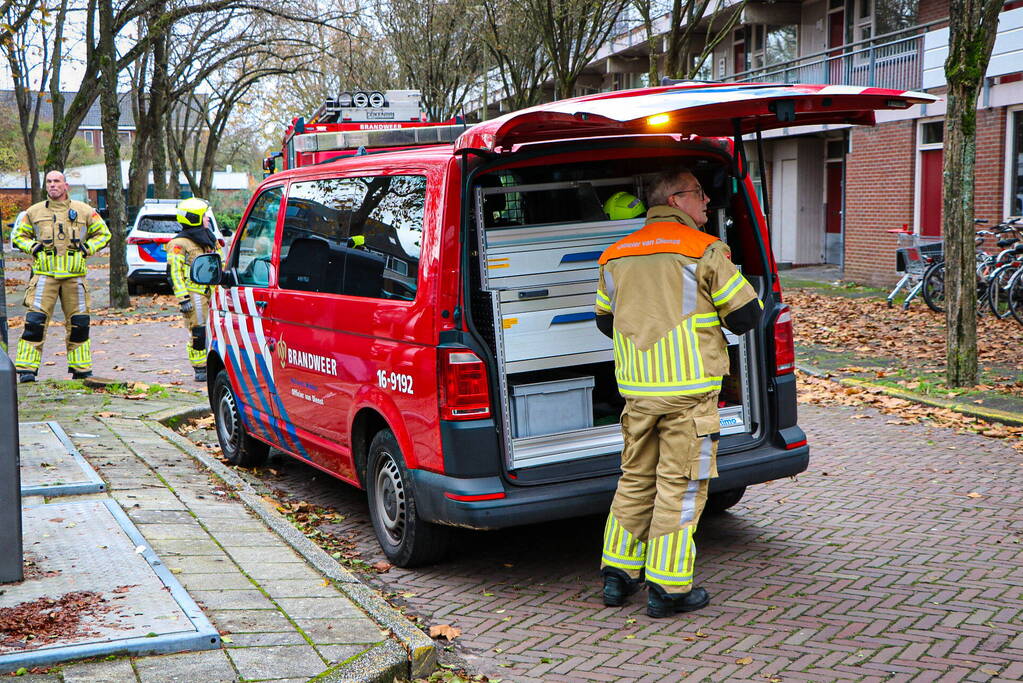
(622,205)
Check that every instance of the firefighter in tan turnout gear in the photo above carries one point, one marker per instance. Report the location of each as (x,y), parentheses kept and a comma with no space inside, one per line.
(196,237)
(664,292)
(60,234)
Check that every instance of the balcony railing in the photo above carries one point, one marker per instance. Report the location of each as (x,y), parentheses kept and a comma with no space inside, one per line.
(892,61)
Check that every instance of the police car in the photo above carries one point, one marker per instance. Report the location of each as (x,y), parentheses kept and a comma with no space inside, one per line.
(155,225)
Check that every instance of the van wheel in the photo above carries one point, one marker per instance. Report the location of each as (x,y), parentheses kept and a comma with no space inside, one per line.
(239,448)
(722,500)
(407,540)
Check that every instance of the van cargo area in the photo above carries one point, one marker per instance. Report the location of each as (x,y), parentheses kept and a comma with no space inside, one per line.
(539,233)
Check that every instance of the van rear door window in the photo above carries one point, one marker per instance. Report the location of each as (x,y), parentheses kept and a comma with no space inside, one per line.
(354,236)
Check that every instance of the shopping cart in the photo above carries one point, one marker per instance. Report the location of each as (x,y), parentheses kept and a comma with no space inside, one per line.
(915,254)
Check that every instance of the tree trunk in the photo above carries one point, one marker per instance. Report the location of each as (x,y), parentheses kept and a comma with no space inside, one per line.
(972,28)
(110,115)
(174,184)
(158,106)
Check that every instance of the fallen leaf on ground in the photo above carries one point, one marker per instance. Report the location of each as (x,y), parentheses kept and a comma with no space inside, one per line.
(445,631)
(382,566)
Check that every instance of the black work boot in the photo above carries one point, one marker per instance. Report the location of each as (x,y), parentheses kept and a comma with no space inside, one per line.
(618,586)
(80,374)
(663,604)
(200,374)
(26,376)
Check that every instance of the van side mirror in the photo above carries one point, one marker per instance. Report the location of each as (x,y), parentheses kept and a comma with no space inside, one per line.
(206,270)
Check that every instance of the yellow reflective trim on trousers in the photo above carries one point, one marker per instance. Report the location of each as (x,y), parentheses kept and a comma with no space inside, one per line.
(621,549)
(670,559)
(68,264)
(196,356)
(27,355)
(648,372)
(81,357)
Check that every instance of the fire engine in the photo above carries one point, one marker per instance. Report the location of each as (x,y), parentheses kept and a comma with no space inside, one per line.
(309,141)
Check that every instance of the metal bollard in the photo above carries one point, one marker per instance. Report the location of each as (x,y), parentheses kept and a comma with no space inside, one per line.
(3,302)
(11,549)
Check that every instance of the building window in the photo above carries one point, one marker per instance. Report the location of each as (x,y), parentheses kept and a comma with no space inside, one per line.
(773,44)
(882,17)
(88,137)
(932,133)
(1016,164)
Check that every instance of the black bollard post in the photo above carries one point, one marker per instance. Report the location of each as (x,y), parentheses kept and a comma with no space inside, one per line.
(10,476)
(3,301)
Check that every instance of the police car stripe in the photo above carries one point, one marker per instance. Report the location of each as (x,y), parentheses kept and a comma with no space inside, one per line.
(244,368)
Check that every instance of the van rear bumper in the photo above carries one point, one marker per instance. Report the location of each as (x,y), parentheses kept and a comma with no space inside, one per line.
(547,502)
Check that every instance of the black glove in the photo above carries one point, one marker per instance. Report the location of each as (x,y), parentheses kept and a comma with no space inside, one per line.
(36,247)
(186,306)
(83,248)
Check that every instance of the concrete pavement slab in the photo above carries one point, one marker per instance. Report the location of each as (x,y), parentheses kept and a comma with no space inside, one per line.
(337,629)
(190,667)
(117,671)
(277,661)
(50,464)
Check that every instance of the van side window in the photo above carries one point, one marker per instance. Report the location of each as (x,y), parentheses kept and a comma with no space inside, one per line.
(256,241)
(354,236)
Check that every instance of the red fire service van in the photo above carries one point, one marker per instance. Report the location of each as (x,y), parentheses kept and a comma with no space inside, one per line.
(420,323)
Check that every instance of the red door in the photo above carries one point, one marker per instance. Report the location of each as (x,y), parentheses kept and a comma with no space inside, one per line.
(833,208)
(739,58)
(930,192)
(836,38)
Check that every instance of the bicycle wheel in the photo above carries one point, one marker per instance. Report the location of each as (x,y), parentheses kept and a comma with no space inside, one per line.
(1016,296)
(934,287)
(998,289)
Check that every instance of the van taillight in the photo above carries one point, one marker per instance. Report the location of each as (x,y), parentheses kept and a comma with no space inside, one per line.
(463,383)
(784,349)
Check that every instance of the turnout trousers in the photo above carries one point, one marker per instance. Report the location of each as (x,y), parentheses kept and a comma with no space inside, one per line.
(667,463)
(40,299)
(195,323)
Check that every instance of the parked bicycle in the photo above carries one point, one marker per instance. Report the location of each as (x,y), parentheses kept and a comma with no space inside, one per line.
(916,253)
(990,272)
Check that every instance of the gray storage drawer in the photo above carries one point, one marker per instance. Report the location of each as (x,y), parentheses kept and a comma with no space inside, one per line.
(552,407)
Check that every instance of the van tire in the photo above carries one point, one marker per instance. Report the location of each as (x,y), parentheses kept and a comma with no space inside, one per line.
(133,288)
(722,500)
(238,446)
(406,539)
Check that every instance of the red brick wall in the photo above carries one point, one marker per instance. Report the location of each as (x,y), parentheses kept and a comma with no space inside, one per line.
(931,10)
(878,197)
(880,185)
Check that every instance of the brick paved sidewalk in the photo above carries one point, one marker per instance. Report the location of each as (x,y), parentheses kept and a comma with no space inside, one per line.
(284,619)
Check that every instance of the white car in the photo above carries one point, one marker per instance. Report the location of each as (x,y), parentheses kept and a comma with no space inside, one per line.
(155,225)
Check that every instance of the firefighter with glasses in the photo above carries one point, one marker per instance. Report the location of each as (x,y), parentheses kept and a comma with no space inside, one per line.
(664,293)
(196,237)
(59,233)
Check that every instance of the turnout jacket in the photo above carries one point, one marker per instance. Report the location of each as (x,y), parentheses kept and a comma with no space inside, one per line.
(181,251)
(663,293)
(68,231)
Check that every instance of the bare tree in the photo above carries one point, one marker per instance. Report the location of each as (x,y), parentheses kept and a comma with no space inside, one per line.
(31,40)
(521,62)
(438,47)
(973,25)
(691,42)
(571,32)
(198,120)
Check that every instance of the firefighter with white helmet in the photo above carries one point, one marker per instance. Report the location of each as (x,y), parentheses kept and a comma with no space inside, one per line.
(663,294)
(60,234)
(195,238)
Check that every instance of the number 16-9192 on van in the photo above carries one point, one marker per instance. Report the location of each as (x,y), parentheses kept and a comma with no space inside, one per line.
(420,323)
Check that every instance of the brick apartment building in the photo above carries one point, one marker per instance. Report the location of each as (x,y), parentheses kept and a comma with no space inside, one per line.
(836,191)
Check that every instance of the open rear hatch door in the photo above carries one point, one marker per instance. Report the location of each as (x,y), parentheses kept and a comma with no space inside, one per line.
(706,110)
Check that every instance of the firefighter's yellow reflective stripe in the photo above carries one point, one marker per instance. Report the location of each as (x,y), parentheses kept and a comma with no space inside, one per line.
(670,559)
(23,236)
(176,266)
(28,356)
(621,549)
(603,302)
(98,235)
(60,266)
(81,357)
(731,288)
(197,357)
(672,366)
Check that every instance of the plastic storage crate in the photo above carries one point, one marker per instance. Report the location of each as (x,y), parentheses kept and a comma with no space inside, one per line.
(552,407)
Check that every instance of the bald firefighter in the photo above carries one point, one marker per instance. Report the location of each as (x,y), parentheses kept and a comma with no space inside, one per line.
(664,292)
(60,234)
